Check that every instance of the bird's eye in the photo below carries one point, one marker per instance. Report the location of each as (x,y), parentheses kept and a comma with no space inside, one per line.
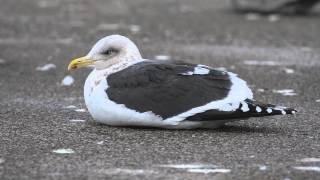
(109,52)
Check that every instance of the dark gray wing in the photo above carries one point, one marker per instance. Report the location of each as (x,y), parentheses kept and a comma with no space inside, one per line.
(166,88)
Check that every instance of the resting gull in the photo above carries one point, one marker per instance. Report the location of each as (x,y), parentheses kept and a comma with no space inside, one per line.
(126,90)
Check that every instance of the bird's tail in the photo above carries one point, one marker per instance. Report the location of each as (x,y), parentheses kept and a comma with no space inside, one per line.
(258,109)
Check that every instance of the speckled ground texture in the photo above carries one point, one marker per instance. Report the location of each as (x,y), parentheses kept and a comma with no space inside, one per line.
(34,121)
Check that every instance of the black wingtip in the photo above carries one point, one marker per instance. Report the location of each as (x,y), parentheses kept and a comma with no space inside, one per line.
(278,110)
(269,109)
(290,111)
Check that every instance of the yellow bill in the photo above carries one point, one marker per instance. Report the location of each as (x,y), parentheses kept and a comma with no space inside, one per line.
(79,63)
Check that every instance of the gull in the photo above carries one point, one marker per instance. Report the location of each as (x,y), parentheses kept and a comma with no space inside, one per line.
(124,89)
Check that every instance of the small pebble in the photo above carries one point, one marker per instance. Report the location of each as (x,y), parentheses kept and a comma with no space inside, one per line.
(310,160)
(63,151)
(67,81)
(100,142)
(274,18)
(2,61)
(285,92)
(162,57)
(46,67)
(288,71)
(43,4)
(262,168)
(306,49)
(221,68)
(134,28)
(189,166)
(71,107)
(108,27)
(77,120)
(261,63)
(308,168)
(207,171)
(252,16)
(80,110)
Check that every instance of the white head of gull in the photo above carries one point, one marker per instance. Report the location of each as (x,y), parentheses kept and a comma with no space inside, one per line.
(114,51)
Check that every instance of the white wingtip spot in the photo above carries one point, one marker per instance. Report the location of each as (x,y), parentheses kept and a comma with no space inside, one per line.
(283,112)
(244,107)
(189,73)
(258,109)
(293,112)
(269,110)
(201,70)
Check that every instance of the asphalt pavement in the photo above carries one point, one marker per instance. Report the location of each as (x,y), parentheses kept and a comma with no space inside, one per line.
(46,132)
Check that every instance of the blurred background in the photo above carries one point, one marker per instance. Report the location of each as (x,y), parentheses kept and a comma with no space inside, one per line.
(273,44)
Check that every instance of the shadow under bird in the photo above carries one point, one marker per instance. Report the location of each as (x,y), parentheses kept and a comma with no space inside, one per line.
(126,90)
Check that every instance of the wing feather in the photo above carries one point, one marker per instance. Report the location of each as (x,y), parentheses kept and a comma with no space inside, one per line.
(162,88)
